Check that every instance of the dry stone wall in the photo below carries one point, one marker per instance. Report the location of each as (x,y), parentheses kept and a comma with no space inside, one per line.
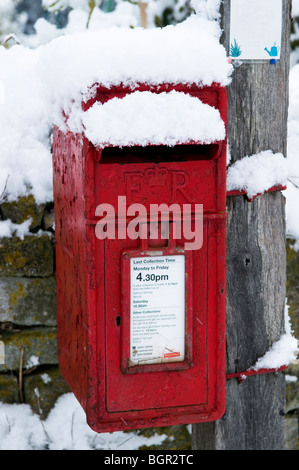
(30,373)
(292,383)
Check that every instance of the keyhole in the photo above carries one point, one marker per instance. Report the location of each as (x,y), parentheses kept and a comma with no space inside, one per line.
(118,320)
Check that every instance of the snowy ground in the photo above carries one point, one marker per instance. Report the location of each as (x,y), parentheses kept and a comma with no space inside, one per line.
(31,85)
(64,429)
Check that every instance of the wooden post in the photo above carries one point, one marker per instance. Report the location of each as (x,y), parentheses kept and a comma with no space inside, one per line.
(143,14)
(256,260)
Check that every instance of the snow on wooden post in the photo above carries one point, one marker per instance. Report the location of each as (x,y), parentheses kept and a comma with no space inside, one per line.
(256,262)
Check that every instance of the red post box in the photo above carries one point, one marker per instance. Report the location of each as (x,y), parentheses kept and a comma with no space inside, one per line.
(141,319)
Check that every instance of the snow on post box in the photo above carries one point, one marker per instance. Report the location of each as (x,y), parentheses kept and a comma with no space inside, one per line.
(141,299)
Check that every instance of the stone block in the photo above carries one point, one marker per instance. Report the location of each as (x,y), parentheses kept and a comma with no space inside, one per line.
(9,389)
(292,394)
(293,285)
(39,346)
(28,301)
(31,257)
(42,390)
(291,432)
(20,210)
